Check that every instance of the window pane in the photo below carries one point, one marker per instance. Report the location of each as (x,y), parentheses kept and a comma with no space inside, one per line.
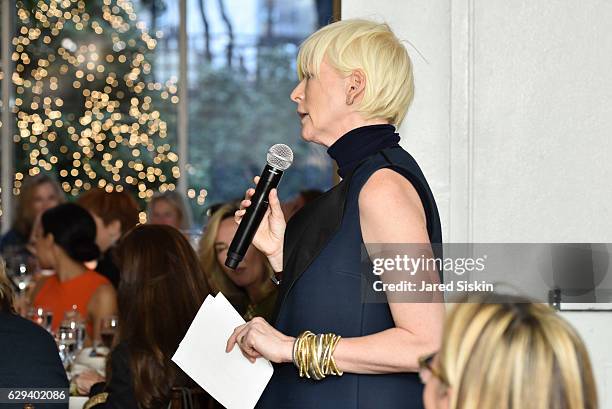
(92,106)
(241,72)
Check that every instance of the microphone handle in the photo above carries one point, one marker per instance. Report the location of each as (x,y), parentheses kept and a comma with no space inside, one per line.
(251,220)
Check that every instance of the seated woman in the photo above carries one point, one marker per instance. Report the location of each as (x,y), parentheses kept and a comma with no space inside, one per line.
(29,354)
(169,208)
(38,193)
(162,287)
(511,355)
(115,213)
(249,287)
(68,241)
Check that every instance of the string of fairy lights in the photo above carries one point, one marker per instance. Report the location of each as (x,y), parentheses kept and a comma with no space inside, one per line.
(86,105)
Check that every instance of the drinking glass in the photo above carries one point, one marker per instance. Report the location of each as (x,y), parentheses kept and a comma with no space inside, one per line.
(108,330)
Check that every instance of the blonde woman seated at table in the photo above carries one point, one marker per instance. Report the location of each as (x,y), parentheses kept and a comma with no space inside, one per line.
(38,193)
(248,287)
(512,355)
(170,209)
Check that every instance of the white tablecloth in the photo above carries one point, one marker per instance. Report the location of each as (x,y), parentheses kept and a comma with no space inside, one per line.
(77,402)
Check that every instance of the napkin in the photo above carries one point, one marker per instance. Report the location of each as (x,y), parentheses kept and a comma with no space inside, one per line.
(230,378)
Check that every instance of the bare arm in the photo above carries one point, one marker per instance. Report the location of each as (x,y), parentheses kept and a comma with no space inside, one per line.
(399,218)
(103,304)
(390,212)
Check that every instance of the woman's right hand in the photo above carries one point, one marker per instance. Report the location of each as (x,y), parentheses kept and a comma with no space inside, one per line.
(271,232)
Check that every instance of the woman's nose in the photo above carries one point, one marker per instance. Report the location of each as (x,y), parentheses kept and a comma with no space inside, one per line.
(298,92)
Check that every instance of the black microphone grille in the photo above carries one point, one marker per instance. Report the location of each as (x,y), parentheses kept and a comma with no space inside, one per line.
(280,156)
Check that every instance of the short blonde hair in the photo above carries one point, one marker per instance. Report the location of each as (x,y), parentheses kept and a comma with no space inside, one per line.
(373,48)
(512,355)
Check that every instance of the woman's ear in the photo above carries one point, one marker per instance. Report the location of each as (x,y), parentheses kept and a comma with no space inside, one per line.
(115,229)
(444,397)
(355,86)
(52,247)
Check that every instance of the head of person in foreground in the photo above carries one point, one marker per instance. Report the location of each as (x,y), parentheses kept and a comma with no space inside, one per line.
(510,355)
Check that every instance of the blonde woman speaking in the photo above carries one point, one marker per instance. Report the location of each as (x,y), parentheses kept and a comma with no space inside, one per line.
(331,350)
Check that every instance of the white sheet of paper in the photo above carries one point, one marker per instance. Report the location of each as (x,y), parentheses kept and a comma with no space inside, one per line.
(229,378)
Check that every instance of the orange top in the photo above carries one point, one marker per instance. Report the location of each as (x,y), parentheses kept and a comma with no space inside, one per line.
(59,296)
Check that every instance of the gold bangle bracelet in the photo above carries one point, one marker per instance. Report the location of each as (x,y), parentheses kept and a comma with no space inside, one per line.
(313,355)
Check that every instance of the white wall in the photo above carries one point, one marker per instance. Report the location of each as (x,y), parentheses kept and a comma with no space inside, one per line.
(425,131)
(512,124)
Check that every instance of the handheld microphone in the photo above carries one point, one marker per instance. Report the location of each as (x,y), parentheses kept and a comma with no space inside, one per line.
(279,159)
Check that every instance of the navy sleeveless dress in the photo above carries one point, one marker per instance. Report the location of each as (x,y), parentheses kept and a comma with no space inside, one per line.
(321,292)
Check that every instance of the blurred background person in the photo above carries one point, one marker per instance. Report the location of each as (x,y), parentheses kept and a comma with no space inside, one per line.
(512,355)
(162,287)
(39,193)
(249,287)
(291,206)
(170,208)
(29,355)
(115,213)
(68,241)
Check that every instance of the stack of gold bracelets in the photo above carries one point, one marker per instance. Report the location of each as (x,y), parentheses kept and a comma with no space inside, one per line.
(313,355)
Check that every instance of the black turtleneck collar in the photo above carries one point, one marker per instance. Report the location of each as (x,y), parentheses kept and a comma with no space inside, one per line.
(357,144)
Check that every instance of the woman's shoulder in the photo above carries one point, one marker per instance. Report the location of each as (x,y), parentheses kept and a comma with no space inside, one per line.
(43,285)
(95,278)
(121,351)
(13,327)
(15,324)
(34,363)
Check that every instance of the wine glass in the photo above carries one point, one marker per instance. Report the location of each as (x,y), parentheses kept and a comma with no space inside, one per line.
(42,317)
(66,343)
(108,330)
(74,320)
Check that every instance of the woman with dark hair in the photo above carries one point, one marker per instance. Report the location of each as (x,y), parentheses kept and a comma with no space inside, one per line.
(68,241)
(115,213)
(161,289)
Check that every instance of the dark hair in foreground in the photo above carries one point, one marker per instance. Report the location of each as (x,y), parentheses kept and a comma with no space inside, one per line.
(73,229)
(162,287)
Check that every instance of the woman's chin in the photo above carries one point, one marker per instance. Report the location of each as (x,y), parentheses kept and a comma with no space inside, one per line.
(239,280)
(308,135)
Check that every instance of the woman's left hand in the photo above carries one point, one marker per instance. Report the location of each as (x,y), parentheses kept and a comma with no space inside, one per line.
(257,339)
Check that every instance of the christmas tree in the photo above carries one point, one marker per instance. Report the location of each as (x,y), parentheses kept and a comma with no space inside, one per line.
(87,105)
